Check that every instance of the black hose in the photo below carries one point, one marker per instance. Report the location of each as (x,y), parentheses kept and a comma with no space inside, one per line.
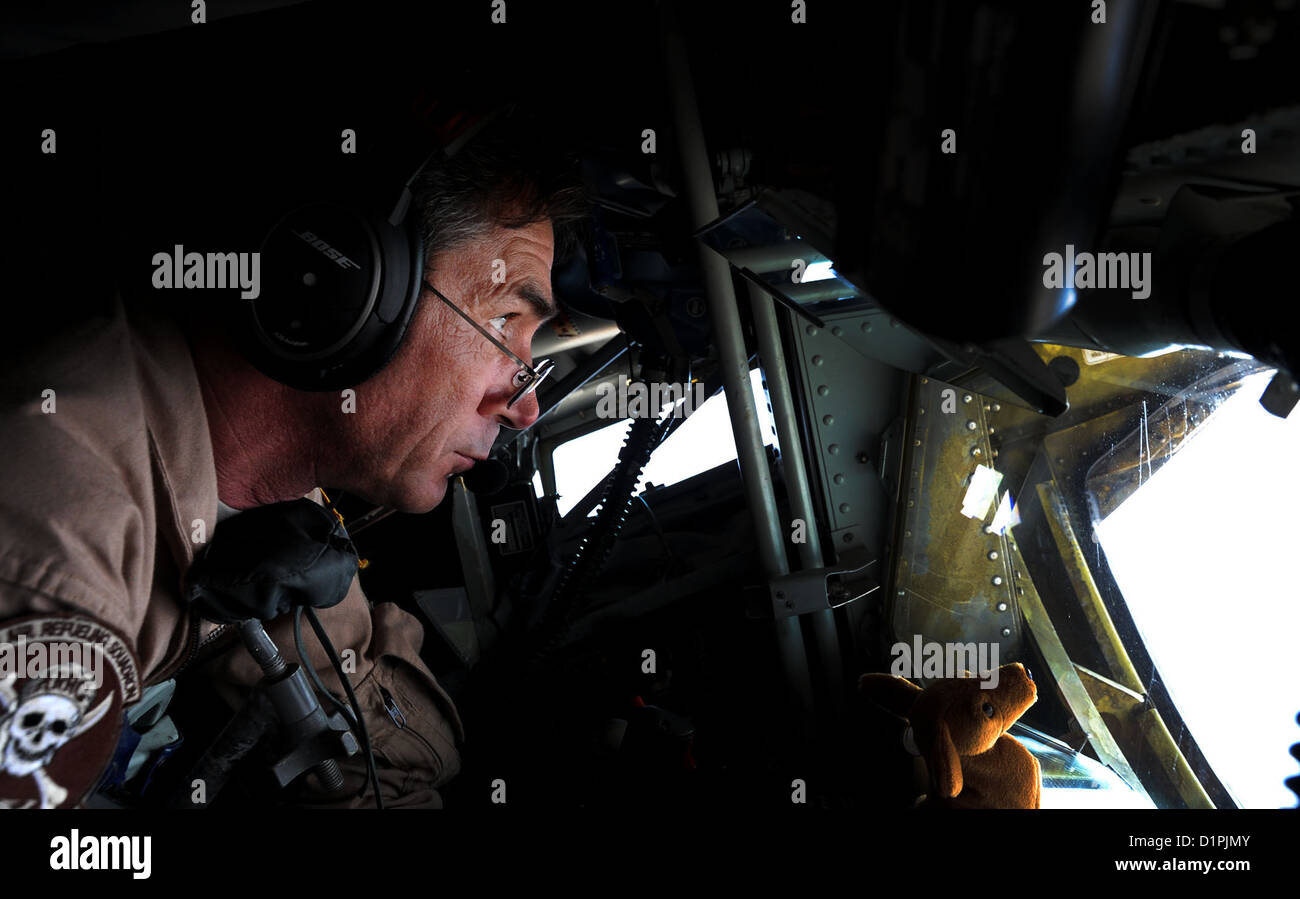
(616,504)
(254,721)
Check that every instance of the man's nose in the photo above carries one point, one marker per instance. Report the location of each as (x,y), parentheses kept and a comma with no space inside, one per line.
(522,414)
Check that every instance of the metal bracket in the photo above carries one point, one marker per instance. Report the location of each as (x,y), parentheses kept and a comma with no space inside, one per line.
(1281,395)
(813,589)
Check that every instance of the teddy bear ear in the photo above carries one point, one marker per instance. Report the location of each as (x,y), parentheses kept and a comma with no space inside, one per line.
(944,763)
(894,694)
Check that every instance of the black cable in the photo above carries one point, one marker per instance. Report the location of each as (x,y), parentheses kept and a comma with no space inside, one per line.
(343,708)
(654,521)
(566,600)
(360,722)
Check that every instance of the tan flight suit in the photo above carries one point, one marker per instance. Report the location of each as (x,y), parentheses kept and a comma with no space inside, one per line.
(100,505)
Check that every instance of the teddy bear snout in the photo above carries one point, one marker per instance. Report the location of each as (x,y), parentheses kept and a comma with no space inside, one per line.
(1018,687)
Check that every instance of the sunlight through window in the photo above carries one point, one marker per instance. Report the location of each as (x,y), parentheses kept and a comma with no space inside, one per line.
(704,441)
(1204,553)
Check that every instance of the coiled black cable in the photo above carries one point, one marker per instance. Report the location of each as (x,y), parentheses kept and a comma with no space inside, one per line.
(616,504)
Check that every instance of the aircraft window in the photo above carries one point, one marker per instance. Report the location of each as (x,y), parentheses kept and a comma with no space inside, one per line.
(703,442)
(1203,551)
(1156,518)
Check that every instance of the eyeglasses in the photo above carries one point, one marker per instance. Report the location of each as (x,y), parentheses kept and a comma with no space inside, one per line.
(527,378)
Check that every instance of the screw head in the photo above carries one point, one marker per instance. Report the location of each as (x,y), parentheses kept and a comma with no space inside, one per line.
(970,426)
(1006,632)
(967,398)
(993,555)
(811,330)
(997,581)
(1002,607)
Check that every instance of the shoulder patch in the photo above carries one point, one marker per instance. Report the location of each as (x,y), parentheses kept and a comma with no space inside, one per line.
(64,683)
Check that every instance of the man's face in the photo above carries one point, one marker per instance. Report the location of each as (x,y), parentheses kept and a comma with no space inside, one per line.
(437,406)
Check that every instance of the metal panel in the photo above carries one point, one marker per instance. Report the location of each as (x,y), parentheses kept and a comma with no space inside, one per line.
(850,376)
(952,580)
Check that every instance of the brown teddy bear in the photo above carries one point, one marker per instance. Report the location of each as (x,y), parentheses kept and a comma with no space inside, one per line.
(960,730)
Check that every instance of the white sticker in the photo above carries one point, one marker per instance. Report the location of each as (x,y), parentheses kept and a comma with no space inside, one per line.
(981,493)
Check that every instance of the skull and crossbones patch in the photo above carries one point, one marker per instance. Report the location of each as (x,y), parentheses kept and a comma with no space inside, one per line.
(64,682)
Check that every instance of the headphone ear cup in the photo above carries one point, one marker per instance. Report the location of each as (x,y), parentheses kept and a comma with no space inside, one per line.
(339,287)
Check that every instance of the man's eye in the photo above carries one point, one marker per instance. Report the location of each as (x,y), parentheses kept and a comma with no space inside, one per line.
(499,323)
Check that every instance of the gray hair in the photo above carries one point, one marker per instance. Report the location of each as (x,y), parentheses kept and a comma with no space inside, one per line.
(503,177)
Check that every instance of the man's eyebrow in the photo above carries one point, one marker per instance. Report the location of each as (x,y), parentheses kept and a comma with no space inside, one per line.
(543,306)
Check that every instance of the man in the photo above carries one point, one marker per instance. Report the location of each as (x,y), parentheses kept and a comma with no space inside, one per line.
(126,443)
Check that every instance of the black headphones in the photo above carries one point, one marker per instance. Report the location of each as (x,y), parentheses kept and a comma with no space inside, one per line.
(340,281)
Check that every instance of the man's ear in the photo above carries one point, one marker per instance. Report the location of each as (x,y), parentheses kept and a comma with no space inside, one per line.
(944,763)
(890,692)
